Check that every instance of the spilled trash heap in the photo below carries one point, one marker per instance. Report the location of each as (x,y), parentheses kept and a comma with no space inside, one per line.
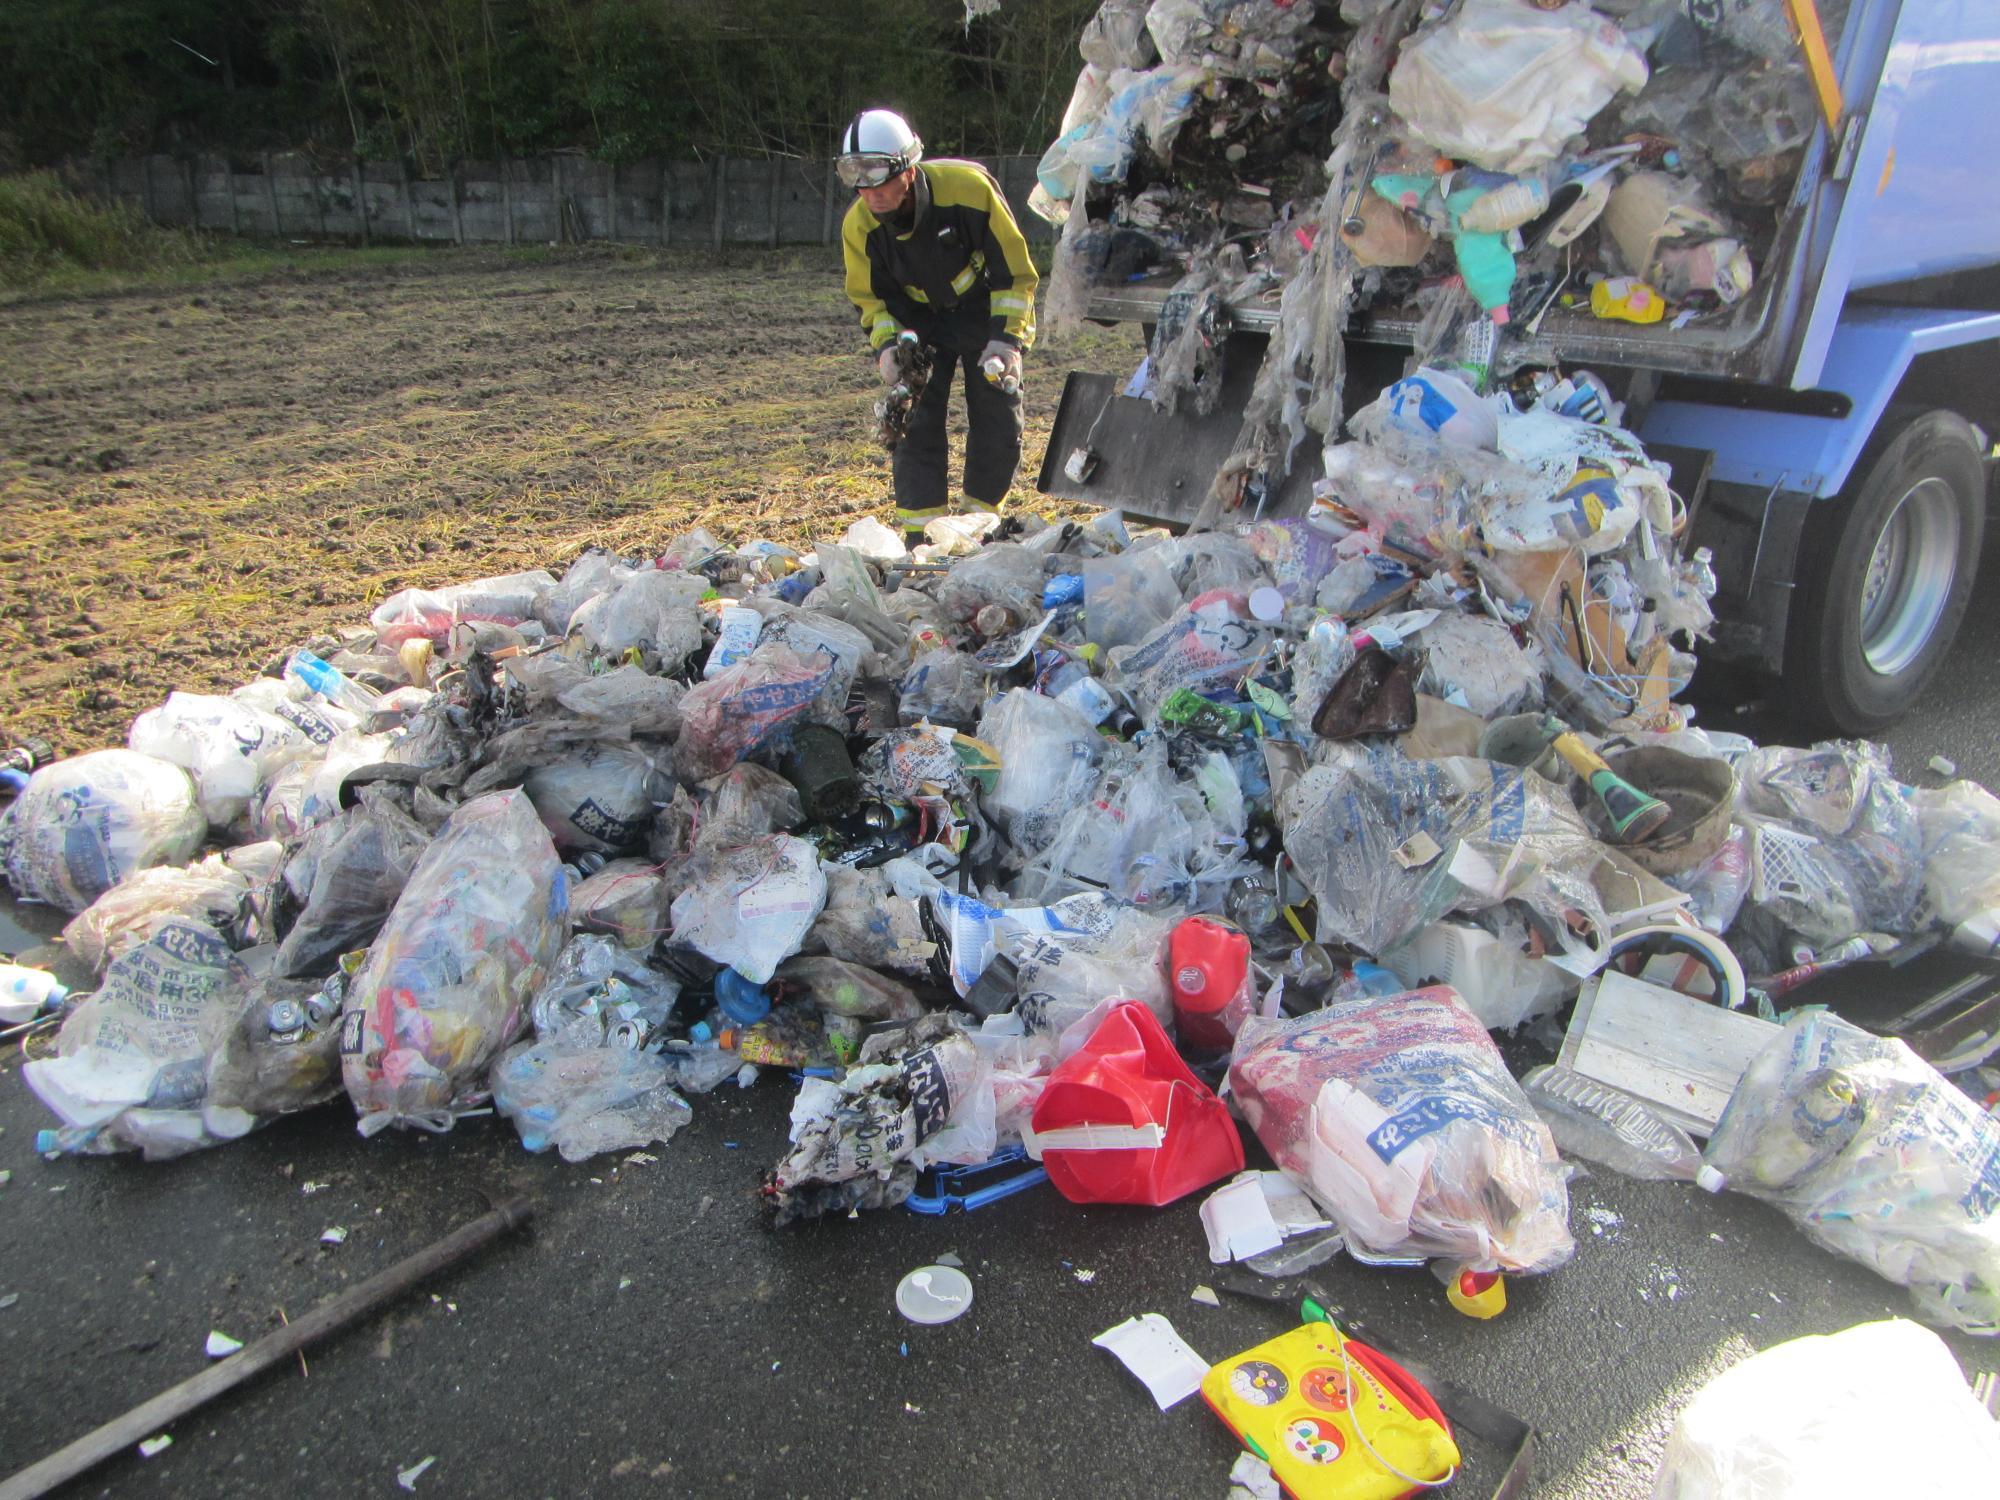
(1012,849)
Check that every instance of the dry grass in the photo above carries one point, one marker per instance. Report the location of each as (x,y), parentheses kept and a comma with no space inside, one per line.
(196,479)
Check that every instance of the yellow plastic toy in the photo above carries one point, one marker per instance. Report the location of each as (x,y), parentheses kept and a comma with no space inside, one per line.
(1335,1419)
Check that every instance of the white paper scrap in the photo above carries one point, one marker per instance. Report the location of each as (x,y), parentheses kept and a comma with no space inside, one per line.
(1148,1346)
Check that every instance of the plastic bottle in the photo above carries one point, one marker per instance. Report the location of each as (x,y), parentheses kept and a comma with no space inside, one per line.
(1208,966)
(331,683)
(736,638)
(995,370)
(25,993)
(1503,203)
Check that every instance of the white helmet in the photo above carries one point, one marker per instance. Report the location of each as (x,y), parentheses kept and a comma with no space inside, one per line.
(877,144)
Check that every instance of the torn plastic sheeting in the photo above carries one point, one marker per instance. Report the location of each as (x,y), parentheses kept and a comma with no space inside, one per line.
(447,983)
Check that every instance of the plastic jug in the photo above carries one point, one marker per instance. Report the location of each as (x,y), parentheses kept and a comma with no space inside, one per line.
(1208,967)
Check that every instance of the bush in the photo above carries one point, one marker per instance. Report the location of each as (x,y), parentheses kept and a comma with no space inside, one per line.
(45,230)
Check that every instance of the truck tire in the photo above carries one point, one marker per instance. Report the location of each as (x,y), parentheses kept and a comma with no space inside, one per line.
(1884,577)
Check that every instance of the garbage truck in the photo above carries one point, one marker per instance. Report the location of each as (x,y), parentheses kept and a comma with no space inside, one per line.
(1829,435)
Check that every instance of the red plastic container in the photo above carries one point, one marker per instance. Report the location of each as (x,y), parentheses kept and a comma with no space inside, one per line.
(1140,1127)
(1208,966)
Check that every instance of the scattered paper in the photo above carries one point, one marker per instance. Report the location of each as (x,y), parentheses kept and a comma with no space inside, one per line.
(1084,1276)
(156,1444)
(407,1478)
(221,1345)
(1256,1212)
(1161,1359)
(334,1236)
(641,1159)
(309,1188)
(949,1259)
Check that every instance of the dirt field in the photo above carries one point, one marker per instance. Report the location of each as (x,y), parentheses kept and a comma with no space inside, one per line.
(195,480)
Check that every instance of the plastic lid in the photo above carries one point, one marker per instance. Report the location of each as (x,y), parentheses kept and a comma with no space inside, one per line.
(933,1294)
(1267,604)
(1709,1180)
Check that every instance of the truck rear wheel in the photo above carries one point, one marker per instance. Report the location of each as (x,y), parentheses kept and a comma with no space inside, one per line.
(1884,579)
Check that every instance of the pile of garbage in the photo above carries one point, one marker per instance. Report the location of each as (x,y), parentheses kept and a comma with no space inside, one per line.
(1015,846)
(1471,167)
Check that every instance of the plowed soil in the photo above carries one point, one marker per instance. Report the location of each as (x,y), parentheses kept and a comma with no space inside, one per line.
(197,480)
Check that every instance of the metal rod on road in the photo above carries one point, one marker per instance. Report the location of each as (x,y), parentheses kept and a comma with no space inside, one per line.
(172,1404)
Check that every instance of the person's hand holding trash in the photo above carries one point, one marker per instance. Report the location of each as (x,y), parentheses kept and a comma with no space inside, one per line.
(1000,361)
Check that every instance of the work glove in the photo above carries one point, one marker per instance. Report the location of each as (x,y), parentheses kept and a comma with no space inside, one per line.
(1008,375)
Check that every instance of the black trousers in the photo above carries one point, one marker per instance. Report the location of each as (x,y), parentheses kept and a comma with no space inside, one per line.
(921,464)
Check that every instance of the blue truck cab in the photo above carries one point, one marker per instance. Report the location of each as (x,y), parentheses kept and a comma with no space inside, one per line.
(1830,435)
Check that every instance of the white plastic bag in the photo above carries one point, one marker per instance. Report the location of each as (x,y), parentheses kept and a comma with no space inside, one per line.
(575,1093)
(1504,84)
(507,598)
(1870,1151)
(131,1059)
(598,796)
(210,892)
(1400,1117)
(652,611)
(83,825)
(751,905)
(447,983)
(1878,1409)
(1048,764)
(227,746)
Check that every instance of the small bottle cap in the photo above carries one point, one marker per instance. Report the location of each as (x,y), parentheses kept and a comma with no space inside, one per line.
(1709,1180)
(1267,604)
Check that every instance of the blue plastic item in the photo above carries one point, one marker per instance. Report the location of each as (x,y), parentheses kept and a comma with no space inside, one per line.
(1008,1171)
(742,1001)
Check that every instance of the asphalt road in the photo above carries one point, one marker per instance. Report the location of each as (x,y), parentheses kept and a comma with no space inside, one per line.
(648,1336)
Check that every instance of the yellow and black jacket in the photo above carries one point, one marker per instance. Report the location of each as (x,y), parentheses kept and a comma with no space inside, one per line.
(959,274)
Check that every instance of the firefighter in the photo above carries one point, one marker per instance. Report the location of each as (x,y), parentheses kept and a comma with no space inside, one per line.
(931,247)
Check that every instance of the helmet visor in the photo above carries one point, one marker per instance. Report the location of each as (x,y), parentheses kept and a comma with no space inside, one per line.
(868,169)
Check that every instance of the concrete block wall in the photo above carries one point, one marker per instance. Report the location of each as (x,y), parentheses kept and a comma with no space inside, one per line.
(532,200)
